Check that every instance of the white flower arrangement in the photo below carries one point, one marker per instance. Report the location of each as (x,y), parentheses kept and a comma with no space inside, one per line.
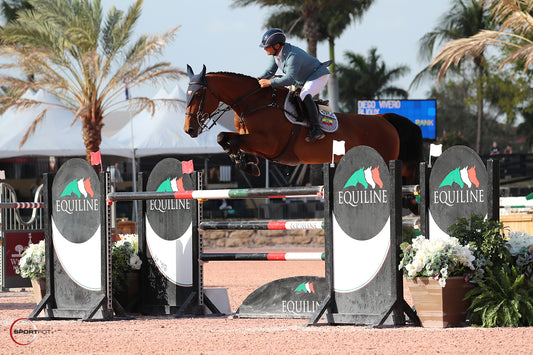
(439,258)
(518,242)
(32,264)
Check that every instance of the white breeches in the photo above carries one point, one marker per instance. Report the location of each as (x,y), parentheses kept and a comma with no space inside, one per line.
(313,87)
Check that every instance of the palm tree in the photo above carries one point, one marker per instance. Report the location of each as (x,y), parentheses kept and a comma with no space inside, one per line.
(83,59)
(465,18)
(9,8)
(311,11)
(368,78)
(332,23)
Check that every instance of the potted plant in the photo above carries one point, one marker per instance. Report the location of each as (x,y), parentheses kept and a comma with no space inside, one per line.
(503,291)
(32,265)
(503,296)
(435,270)
(520,246)
(125,266)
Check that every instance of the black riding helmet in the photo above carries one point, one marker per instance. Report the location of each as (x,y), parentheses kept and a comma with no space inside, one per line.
(272,37)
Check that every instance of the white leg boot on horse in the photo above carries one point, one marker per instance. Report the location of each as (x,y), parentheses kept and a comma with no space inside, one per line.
(315,132)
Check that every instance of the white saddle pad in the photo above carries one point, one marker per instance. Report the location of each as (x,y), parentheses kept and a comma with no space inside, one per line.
(328,120)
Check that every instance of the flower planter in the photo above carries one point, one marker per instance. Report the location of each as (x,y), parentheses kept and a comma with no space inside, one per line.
(39,288)
(128,296)
(440,307)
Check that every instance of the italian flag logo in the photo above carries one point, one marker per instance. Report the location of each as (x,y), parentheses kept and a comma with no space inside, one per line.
(461,176)
(78,187)
(365,176)
(306,287)
(171,185)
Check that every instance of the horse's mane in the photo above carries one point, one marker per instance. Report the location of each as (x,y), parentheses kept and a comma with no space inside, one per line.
(252,80)
(244,76)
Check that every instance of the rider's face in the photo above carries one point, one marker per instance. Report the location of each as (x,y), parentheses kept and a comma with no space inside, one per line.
(273,50)
(270,50)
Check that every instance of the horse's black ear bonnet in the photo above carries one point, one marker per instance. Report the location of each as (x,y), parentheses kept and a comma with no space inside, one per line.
(196,82)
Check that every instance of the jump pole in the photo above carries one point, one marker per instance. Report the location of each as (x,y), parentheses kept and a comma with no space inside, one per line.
(302,191)
(289,256)
(263,225)
(20,205)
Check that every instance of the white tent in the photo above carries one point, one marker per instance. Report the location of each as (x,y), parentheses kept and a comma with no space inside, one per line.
(54,136)
(163,133)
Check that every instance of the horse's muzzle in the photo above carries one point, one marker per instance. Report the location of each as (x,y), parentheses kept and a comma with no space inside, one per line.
(192,132)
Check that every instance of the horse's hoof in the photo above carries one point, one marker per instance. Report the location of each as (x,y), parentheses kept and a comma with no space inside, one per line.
(251,158)
(252,169)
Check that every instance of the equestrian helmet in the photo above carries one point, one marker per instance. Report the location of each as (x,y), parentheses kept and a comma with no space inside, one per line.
(272,37)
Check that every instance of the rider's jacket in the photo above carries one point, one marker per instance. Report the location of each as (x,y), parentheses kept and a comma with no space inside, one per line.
(297,65)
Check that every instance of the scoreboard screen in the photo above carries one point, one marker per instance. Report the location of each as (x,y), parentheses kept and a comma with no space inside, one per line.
(421,112)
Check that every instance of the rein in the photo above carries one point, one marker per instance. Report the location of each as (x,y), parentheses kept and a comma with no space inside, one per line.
(203,118)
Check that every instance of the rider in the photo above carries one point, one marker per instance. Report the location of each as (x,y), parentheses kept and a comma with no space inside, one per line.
(299,68)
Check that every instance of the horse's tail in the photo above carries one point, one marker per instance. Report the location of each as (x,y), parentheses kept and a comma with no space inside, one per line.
(410,145)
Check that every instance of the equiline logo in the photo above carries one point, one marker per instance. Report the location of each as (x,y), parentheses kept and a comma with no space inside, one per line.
(361,188)
(169,218)
(76,201)
(78,188)
(169,185)
(463,188)
(305,287)
(370,190)
(458,187)
(77,196)
(461,176)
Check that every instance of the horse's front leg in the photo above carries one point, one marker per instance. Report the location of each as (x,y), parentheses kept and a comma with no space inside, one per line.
(229,141)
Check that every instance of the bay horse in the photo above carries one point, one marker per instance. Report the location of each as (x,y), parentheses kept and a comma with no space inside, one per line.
(263,130)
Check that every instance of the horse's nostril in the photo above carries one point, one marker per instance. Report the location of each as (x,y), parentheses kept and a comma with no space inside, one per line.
(191,132)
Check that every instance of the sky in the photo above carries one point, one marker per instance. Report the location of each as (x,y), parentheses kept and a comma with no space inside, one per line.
(225,38)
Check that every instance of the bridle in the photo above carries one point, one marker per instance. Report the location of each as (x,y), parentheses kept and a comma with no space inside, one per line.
(207,120)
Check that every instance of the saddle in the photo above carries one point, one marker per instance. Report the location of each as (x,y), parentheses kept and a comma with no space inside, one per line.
(296,113)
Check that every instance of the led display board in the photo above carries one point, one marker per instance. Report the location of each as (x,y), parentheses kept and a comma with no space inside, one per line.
(421,112)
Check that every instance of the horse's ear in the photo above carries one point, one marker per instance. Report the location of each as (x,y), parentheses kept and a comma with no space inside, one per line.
(190,73)
(202,73)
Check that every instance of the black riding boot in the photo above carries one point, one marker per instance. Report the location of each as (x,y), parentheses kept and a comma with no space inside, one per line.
(315,132)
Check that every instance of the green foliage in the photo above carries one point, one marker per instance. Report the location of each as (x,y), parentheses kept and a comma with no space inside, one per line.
(520,245)
(124,260)
(408,234)
(368,78)
(486,236)
(503,299)
(449,139)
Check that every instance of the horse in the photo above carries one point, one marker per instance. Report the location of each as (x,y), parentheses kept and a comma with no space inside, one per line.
(263,130)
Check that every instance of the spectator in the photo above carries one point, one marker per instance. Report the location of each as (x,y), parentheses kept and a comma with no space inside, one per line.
(508,150)
(494,150)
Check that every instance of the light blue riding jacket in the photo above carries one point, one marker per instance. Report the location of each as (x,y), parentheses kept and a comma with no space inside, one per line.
(297,65)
